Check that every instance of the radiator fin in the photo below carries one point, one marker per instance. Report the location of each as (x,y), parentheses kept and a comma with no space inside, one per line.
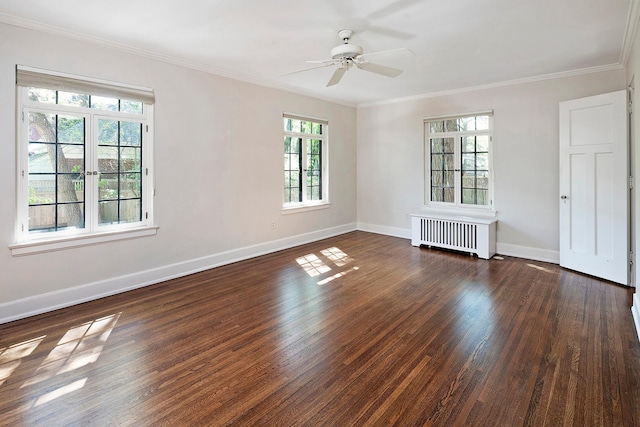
(449,234)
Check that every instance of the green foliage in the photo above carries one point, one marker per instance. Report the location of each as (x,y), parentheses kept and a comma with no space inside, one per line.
(34,199)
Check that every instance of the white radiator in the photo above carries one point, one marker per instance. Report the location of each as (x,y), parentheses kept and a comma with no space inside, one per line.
(462,233)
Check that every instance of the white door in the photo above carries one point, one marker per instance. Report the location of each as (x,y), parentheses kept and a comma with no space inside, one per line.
(594,179)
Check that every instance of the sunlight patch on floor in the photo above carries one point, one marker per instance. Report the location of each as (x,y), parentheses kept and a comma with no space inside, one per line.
(537,267)
(313,265)
(11,357)
(80,346)
(335,276)
(338,257)
(48,397)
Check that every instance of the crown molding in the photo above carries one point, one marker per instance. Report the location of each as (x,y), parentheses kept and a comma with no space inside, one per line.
(630,31)
(525,80)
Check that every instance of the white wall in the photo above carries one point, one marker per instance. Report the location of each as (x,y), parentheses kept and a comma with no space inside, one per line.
(218,155)
(525,154)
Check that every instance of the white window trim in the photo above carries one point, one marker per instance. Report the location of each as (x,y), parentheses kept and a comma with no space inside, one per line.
(60,243)
(291,209)
(297,207)
(26,243)
(429,206)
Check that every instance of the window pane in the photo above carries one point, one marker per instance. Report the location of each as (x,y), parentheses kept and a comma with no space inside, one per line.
(449,145)
(482,123)
(75,99)
(40,160)
(130,159)
(469,144)
(292,125)
(42,127)
(482,161)
(71,215)
(437,195)
(42,189)
(130,211)
(468,161)
(295,180)
(70,130)
(468,196)
(449,195)
(46,96)
(131,106)
(451,125)
(482,143)
(42,217)
(130,133)
(467,123)
(107,132)
(437,162)
(130,185)
(437,145)
(449,179)
(108,159)
(104,103)
(108,212)
(482,197)
(435,127)
(70,158)
(436,179)
(70,188)
(108,186)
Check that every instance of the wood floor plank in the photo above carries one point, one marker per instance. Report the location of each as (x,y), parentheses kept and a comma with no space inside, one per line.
(359,329)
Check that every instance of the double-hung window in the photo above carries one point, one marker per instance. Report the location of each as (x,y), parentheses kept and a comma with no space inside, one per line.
(458,161)
(305,154)
(84,160)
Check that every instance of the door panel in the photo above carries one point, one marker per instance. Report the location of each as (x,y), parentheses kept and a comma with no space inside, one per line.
(594,235)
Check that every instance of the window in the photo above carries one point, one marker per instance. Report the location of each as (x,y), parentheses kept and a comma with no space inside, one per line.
(85,150)
(458,159)
(305,153)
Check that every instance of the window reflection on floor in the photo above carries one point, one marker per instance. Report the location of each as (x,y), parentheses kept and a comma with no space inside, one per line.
(314,266)
(11,357)
(79,347)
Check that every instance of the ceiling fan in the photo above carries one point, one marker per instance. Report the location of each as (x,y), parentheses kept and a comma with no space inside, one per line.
(346,55)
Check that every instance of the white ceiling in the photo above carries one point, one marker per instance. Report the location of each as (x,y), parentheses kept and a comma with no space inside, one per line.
(457,43)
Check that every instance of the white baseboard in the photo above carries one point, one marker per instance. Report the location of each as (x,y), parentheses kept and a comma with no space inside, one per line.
(635,312)
(50,301)
(534,254)
(507,249)
(404,233)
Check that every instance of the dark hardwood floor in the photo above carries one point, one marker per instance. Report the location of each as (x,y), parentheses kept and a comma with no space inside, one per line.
(360,329)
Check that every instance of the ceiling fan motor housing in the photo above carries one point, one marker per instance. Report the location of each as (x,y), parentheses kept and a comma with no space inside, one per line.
(346,50)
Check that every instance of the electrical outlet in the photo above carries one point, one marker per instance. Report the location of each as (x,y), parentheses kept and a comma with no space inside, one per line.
(273,225)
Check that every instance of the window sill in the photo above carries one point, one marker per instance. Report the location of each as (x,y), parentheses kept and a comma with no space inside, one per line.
(304,208)
(51,245)
(471,212)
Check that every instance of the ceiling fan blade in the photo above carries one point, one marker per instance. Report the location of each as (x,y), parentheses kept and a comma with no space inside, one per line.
(324,61)
(380,69)
(307,69)
(337,76)
(382,52)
